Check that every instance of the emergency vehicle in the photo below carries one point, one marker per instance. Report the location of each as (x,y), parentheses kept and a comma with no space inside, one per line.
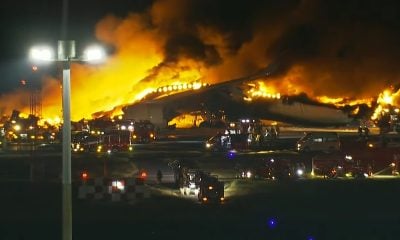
(116,141)
(211,189)
(360,163)
(143,132)
(84,142)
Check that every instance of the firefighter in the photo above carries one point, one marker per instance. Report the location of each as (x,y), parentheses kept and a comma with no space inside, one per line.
(159,176)
(360,132)
(366,132)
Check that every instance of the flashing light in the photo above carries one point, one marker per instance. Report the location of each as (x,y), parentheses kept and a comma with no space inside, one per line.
(231,154)
(85,175)
(272,222)
(143,175)
(248,174)
(310,238)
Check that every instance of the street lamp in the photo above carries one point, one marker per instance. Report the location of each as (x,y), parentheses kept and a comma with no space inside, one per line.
(66,54)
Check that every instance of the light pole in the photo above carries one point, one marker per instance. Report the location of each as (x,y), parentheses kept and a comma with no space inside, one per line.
(66,52)
(65,55)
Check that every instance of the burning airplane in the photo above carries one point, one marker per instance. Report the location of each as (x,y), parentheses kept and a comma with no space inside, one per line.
(193,47)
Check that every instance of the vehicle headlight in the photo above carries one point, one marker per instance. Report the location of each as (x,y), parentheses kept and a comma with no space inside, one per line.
(208,145)
(300,172)
(248,174)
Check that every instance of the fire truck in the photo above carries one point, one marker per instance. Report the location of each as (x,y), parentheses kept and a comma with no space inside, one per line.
(375,158)
(143,132)
(84,142)
(243,135)
(211,189)
(340,165)
(116,141)
(206,187)
(274,168)
(189,181)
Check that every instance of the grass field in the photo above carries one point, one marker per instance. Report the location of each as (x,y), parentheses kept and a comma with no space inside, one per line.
(337,209)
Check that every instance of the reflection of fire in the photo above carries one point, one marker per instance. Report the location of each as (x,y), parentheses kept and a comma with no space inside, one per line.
(186,121)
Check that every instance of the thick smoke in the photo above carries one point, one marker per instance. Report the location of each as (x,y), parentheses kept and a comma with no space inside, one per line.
(332,48)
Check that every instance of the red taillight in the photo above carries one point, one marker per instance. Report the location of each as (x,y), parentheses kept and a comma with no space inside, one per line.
(143,175)
(85,175)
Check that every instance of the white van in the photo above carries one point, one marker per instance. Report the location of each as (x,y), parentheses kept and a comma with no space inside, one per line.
(319,141)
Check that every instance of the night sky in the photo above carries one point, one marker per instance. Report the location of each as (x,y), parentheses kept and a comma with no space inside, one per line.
(29,22)
(350,43)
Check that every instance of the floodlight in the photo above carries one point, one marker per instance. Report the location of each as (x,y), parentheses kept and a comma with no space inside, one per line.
(94,54)
(42,53)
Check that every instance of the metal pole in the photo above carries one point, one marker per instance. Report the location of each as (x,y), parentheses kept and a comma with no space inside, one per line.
(66,153)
